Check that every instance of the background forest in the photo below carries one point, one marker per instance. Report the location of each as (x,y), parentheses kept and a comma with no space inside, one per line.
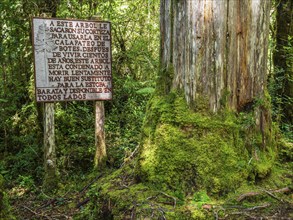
(86,193)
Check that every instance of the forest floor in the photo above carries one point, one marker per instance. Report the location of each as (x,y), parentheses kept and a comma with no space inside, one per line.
(38,205)
(29,207)
(35,204)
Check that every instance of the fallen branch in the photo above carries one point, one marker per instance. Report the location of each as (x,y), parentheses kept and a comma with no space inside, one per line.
(82,203)
(171,197)
(251,194)
(246,195)
(265,205)
(132,155)
(49,202)
(245,214)
(61,215)
(35,213)
(272,195)
(91,183)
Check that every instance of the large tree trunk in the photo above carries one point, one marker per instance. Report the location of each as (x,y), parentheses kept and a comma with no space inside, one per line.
(218,49)
(283,58)
(214,53)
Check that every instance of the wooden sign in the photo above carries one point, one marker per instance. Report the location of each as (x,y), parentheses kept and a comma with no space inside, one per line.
(72,60)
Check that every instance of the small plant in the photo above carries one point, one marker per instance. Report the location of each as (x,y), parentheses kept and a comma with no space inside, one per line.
(26,182)
(200,198)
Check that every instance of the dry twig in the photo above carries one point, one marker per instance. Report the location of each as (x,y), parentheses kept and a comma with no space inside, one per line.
(251,194)
(35,213)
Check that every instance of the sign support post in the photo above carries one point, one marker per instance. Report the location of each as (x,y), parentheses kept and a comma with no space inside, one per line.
(100,142)
(50,180)
(50,166)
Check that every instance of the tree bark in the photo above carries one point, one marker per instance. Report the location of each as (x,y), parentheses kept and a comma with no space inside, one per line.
(216,50)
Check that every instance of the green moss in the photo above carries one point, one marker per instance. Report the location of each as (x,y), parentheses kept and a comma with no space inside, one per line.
(286,150)
(120,196)
(187,159)
(165,79)
(190,149)
(185,149)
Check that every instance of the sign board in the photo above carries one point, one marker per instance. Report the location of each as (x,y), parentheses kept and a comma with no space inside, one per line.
(72,60)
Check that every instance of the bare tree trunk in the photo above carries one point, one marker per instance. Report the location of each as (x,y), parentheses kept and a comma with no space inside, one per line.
(218,49)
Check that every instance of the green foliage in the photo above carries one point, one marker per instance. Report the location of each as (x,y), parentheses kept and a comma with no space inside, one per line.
(5,209)
(135,35)
(286,150)
(135,59)
(124,118)
(74,137)
(280,88)
(201,198)
(26,182)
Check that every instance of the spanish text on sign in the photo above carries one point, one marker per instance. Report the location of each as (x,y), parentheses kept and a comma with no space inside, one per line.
(72,60)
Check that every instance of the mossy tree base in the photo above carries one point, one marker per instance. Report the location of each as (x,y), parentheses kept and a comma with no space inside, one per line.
(187,159)
(186,150)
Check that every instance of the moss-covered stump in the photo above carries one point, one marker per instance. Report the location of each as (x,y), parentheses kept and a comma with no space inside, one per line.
(185,150)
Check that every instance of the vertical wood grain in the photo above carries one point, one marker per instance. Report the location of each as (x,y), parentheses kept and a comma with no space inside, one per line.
(100,143)
(50,180)
(217,49)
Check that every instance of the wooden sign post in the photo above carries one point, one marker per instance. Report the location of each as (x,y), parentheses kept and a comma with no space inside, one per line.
(72,63)
(100,143)
(50,167)
(50,179)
